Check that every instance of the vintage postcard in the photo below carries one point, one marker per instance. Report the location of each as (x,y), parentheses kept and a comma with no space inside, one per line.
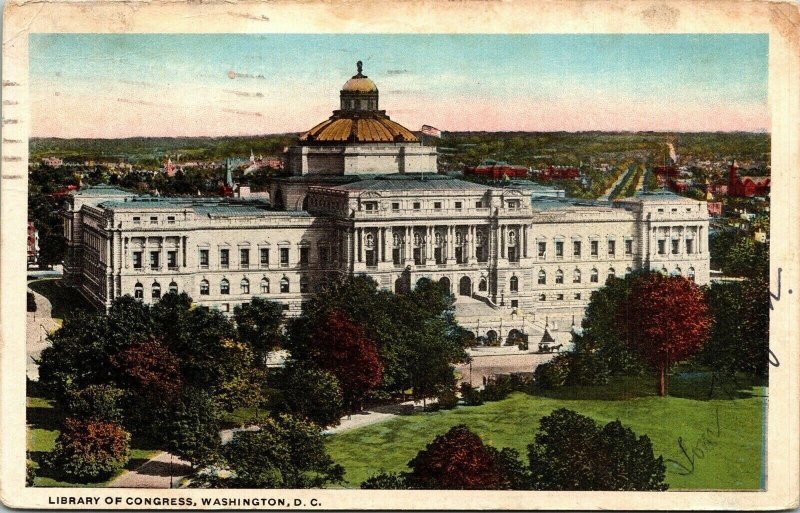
(400,255)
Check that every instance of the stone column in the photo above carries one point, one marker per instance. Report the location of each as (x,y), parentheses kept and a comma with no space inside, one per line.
(524,241)
(503,237)
(360,242)
(429,245)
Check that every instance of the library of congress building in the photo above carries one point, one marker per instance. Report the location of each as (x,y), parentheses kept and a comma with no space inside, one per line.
(362,196)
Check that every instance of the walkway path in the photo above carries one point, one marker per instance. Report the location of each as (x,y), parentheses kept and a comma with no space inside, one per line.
(38,325)
(613,186)
(162,471)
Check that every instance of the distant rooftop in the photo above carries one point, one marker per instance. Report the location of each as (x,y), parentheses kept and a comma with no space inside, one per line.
(416,181)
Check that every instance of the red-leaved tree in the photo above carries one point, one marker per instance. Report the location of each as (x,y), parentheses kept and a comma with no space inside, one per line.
(339,346)
(88,450)
(149,369)
(665,320)
(457,460)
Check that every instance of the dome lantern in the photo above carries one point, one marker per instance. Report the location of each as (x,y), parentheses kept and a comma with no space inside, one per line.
(359,93)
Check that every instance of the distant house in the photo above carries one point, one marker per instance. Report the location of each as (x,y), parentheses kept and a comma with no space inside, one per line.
(53,162)
(714,208)
(560,173)
(495,170)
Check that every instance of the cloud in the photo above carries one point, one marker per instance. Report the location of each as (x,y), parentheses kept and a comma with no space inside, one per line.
(236,74)
(242,112)
(244,93)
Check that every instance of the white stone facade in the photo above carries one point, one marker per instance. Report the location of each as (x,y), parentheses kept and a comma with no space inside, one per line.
(539,259)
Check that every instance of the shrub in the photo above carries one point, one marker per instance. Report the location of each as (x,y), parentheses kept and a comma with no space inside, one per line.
(572,452)
(313,394)
(99,402)
(457,460)
(552,374)
(89,450)
(386,481)
(587,369)
(447,400)
(471,395)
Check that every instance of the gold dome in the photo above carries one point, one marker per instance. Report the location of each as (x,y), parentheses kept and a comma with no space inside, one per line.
(360,85)
(360,129)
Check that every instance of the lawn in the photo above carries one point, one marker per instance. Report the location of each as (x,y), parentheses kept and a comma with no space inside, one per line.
(43,422)
(734,461)
(64,300)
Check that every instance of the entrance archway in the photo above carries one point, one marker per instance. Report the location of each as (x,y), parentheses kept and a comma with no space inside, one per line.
(465,286)
(515,337)
(445,283)
(491,338)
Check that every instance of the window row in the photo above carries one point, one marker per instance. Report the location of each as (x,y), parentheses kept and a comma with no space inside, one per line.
(577,276)
(224,287)
(577,248)
(137,220)
(675,246)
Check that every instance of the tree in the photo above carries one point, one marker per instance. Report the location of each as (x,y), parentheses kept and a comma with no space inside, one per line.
(149,370)
(571,452)
(340,346)
(98,402)
(666,320)
(457,460)
(89,450)
(192,429)
(386,481)
(31,302)
(260,325)
(172,319)
(285,452)
(313,394)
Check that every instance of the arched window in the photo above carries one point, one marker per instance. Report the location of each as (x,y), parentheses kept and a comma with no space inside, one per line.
(155,290)
(173,287)
(303,285)
(138,291)
(542,297)
(204,288)
(482,286)
(559,276)
(676,271)
(690,273)
(284,285)
(595,276)
(542,277)
(664,271)
(611,273)
(244,285)
(264,286)
(224,287)
(514,284)
(576,276)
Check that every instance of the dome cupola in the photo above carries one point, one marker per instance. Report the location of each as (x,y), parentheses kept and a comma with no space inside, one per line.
(359,93)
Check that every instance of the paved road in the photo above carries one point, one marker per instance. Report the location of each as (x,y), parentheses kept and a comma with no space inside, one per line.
(162,471)
(606,194)
(38,325)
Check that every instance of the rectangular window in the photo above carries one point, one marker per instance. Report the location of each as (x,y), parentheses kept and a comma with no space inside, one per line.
(437,205)
(395,206)
(226,307)
(478,204)
(662,247)
(459,255)
(137,220)
(612,247)
(560,297)
(396,260)
(371,206)
(153,220)
(689,246)
(172,259)
(675,246)
(170,219)
(224,258)
(628,247)
(514,303)
(542,249)
(204,258)
(542,297)
(416,205)
(371,257)
(576,248)
(304,256)
(559,249)
(578,296)
(417,256)
(137,259)
(284,257)
(244,258)
(155,259)
(458,205)
(437,255)
(264,257)
(594,248)
(512,254)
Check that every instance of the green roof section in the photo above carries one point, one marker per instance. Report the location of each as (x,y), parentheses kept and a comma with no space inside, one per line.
(416,182)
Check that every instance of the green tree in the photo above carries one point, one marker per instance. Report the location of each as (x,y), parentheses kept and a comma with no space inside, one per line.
(572,452)
(99,402)
(192,429)
(285,452)
(259,324)
(312,394)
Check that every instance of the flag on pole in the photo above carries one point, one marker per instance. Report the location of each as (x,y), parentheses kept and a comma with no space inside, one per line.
(432,131)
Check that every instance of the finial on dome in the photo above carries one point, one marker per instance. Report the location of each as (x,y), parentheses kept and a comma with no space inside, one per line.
(359,66)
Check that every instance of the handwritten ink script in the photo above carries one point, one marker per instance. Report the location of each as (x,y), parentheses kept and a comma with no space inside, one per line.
(708,439)
(775,297)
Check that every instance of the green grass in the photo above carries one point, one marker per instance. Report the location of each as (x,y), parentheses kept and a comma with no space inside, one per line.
(243,416)
(43,420)
(64,300)
(734,462)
